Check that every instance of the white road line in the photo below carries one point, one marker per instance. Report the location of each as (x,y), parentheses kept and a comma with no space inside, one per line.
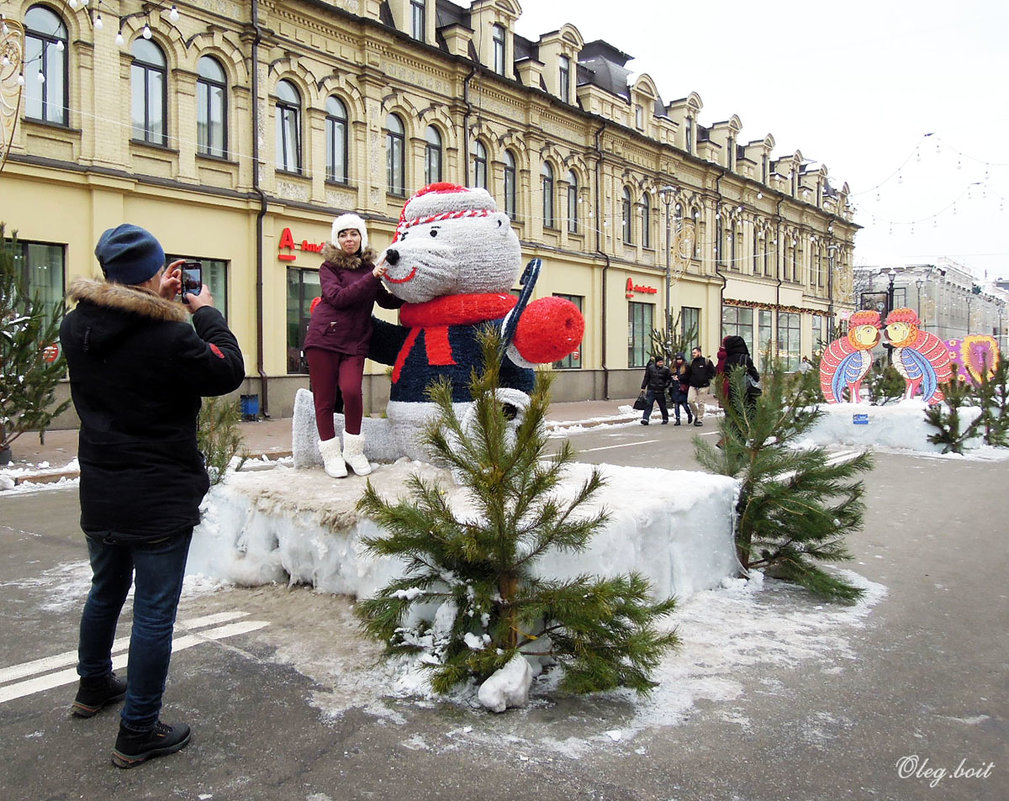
(612,447)
(48,663)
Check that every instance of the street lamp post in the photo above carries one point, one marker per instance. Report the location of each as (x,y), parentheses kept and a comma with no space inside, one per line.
(918,283)
(666,196)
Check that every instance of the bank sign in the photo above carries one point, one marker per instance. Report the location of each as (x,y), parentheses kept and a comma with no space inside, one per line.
(287,246)
(633,289)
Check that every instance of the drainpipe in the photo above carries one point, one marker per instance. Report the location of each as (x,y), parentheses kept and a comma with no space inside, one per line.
(721,242)
(606,258)
(264,406)
(465,122)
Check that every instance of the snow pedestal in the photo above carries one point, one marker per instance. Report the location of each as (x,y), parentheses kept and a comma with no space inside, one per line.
(899,425)
(302,527)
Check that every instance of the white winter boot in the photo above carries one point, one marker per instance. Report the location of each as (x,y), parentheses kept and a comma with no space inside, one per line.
(332,459)
(353,453)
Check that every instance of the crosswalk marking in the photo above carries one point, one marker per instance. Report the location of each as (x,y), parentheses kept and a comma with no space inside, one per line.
(198,632)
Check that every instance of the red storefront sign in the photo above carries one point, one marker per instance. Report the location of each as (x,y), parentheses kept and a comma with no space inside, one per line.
(287,246)
(643,290)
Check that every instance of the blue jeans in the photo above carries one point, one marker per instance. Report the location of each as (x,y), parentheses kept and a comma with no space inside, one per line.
(159,568)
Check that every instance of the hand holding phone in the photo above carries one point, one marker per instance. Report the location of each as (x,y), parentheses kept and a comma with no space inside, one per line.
(192,278)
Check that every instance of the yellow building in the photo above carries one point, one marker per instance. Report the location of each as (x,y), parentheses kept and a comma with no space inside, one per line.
(236,131)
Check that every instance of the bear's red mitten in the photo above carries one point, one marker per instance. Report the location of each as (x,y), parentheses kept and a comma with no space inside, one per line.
(548,330)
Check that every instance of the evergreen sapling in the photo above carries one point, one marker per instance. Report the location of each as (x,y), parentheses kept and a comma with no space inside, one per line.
(795,505)
(469,598)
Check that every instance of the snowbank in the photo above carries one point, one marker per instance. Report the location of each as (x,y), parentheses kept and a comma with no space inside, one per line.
(901,425)
(302,527)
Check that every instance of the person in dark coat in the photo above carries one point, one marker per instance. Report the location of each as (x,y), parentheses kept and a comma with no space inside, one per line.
(655,383)
(336,344)
(138,370)
(678,388)
(700,371)
(737,354)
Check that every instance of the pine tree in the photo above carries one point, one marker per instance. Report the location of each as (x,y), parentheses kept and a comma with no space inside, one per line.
(218,436)
(885,383)
(478,570)
(992,393)
(945,416)
(794,505)
(27,378)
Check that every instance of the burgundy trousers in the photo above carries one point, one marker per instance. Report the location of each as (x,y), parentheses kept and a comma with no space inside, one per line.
(327,371)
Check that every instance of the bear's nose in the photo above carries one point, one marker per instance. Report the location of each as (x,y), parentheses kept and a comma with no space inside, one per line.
(392,256)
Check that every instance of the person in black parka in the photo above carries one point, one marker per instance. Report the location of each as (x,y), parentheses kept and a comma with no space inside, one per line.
(138,370)
(737,354)
(655,382)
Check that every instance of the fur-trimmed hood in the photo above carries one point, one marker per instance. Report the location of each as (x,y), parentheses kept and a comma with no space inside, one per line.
(107,312)
(335,256)
(126,298)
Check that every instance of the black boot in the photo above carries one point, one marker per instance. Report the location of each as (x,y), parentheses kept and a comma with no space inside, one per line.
(96,692)
(134,747)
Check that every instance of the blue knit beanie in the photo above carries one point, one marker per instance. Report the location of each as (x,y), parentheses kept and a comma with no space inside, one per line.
(129,255)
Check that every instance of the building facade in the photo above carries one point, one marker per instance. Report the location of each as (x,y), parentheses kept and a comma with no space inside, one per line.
(236,131)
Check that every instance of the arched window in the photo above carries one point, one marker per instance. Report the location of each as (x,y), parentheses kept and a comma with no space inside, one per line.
(479,165)
(625,217)
(211,108)
(148,79)
(45,61)
(395,155)
(432,155)
(288,127)
(572,202)
(547,182)
(336,140)
(646,221)
(510,185)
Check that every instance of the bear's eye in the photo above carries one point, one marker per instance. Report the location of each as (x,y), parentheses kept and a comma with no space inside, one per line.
(434,232)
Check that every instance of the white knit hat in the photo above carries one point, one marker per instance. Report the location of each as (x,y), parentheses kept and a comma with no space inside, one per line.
(445,201)
(349,220)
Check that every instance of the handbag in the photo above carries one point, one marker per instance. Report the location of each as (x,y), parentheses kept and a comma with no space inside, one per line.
(641,404)
(753,386)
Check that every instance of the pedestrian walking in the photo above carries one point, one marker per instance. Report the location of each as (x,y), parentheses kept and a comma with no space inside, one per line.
(678,388)
(700,373)
(655,383)
(138,369)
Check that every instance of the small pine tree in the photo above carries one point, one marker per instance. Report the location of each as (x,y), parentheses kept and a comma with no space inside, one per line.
(992,394)
(945,416)
(885,383)
(794,505)
(600,631)
(669,343)
(219,437)
(27,380)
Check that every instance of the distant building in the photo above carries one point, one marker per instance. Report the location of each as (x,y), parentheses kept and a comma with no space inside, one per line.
(236,131)
(949,301)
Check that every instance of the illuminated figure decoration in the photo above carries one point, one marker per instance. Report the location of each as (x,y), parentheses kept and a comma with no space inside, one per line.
(973,356)
(12,81)
(922,358)
(846,361)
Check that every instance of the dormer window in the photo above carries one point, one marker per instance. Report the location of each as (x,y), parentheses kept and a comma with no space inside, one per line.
(639,117)
(690,134)
(498,37)
(418,14)
(564,75)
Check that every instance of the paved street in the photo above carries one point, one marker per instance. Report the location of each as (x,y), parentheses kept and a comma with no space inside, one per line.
(925,691)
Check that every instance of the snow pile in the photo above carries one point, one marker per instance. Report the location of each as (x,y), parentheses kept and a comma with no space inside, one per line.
(901,425)
(507,687)
(302,527)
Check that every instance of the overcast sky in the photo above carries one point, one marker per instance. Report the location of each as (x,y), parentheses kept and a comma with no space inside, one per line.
(854,85)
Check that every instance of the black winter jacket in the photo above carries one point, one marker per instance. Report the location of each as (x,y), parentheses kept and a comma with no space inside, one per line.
(700,371)
(137,372)
(737,355)
(656,378)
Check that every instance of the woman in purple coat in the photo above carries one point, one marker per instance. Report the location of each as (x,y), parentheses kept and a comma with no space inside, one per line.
(337,341)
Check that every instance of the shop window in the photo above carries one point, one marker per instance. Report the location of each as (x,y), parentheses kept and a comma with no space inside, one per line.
(211,108)
(432,155)
(45,58)
(42,270)
(788,339)
(573,361)
(336,140)
(690,326)
(640,323)
(818,340)
(148,83)
(765,335)
(288,127)
(395,156)
(302,288)
(737,321)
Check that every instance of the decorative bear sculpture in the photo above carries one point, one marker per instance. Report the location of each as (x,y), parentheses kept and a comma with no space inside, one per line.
(454,260)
